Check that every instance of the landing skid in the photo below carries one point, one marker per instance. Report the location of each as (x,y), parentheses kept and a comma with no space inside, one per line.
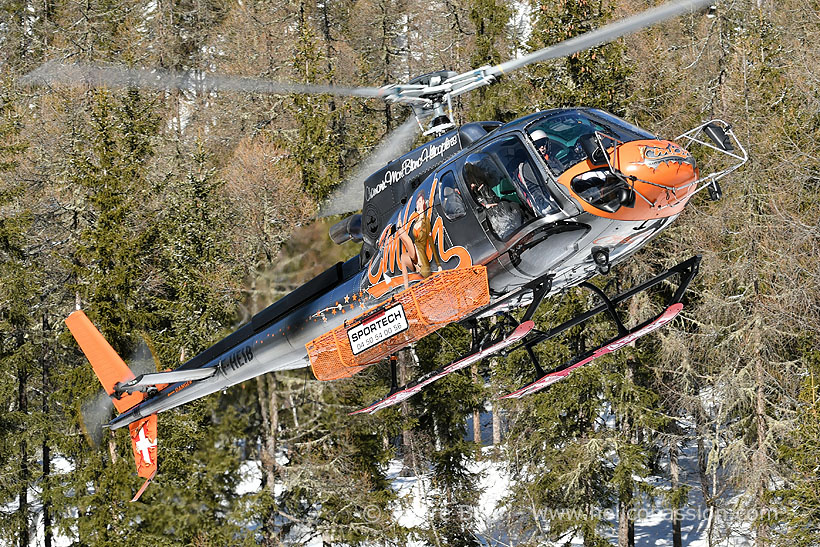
(613,345)
(409,390)
(529,337)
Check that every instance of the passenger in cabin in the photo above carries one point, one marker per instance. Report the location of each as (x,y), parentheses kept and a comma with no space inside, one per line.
(452,203)
(492,188)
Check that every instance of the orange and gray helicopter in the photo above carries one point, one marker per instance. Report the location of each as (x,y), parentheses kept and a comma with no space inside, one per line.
(483,219)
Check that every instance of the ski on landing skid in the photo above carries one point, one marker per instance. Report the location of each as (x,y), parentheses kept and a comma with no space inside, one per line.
(411,389)
(614,345)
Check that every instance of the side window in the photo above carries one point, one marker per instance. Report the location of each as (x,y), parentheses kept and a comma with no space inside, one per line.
(502,178)
(452,202)
(536,194)
(483,176)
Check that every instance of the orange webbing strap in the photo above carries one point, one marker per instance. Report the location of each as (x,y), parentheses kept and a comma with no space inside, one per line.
(109,367)
(142,488)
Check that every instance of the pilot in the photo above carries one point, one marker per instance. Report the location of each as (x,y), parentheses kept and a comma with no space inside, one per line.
(545,146)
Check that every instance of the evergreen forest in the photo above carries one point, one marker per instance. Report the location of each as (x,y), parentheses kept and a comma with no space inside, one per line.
(172,216)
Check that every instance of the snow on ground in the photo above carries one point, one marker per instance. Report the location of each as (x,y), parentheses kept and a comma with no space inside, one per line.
(251,473)
(653,524)
(652,527)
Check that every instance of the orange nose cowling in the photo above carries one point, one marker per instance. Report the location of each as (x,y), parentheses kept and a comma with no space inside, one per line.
(662,163)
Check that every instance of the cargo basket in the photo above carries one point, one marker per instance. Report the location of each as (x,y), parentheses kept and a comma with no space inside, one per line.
(425,307)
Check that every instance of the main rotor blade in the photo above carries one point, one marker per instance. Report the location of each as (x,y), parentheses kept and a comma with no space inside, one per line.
(602,35)
(350,195)
(74,74)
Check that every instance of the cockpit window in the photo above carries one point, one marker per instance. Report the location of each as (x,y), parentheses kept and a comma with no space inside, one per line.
(558,136)
(502,178)
(601,189)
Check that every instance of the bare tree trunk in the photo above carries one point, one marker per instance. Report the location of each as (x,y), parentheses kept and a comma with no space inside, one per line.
(476,412)
(496,415)
(268,396)
(625,524)
(674,472)
(22,407)
(404,359)
(759,458)
(496,426)
(46,451)
(703,456)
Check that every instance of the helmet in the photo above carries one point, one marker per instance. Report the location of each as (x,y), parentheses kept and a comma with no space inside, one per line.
(537,135)
(539,138)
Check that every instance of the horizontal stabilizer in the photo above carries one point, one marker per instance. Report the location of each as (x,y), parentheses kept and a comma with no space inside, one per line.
(145,381)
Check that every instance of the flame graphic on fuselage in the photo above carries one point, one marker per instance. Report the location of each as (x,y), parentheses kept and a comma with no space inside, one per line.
(653,156)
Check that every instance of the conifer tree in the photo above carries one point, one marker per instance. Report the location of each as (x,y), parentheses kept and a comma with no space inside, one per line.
(594,77)
(107,168)
(195,299)
(801,499)
(559,454)
(490,19)
(19,348)
(318,145)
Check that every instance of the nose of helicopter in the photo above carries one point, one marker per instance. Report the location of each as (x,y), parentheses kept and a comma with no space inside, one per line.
(661,174)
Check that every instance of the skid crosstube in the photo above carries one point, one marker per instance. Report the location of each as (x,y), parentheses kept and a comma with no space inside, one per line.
(610,347)
(687,270)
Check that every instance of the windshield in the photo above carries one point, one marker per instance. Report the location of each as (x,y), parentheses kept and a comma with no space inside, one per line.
(558,136)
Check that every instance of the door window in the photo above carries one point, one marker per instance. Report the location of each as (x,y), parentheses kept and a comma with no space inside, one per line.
(502,178)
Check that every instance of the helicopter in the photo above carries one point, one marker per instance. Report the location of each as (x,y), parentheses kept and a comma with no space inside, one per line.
(483,219)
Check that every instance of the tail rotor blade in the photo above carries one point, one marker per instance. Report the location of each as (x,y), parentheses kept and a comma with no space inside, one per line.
(94,413)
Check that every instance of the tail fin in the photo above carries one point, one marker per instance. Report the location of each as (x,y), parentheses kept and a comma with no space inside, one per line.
(111,370)
(109,367)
